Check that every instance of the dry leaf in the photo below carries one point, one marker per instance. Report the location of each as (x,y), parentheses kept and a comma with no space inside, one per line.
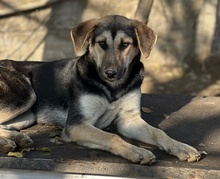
(54,133)
(44,149)
(27,150)
(57,141)
(15,154)
(146,110)
(202,145)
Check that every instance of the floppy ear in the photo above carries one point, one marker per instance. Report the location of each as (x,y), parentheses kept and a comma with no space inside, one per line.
(80,33)
(146,37)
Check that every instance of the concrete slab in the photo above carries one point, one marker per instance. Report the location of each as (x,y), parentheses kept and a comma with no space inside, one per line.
(193,120)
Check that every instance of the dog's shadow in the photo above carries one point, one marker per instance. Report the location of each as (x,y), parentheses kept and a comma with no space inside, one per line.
(192,120)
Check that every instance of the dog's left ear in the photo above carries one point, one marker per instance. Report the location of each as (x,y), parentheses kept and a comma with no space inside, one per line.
(81,33)
(146,37)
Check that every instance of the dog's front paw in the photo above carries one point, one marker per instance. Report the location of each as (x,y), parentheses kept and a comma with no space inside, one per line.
(142,156)
(6,145)
(186,153)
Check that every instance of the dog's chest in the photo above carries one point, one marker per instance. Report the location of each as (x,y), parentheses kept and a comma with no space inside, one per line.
(99,112)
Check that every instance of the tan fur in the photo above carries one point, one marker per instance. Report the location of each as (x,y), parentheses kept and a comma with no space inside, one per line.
(7,114)
(83,31)
(8,139)
(96,138)
(146,38)
(127,55)
(8,135)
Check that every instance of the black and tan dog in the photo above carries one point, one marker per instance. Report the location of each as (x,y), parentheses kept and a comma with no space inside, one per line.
(86,94)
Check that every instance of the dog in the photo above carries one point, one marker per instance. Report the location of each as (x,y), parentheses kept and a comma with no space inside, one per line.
(86,94)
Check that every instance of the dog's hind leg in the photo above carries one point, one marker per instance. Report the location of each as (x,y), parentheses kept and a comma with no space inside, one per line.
(20,122)
(16,94)
(16,98)
(9,139)
(6,145)
(10,136)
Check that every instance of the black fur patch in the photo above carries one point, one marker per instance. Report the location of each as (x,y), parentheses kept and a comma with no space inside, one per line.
(114,25)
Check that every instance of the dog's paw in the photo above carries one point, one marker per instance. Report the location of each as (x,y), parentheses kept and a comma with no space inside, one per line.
(142,156)
(23,140)
(186,153)
(6,145)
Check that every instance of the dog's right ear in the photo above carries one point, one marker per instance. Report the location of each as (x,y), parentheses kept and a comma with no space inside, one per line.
(81,33)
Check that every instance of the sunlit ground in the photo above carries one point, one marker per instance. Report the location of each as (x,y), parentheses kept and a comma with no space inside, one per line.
(171,78)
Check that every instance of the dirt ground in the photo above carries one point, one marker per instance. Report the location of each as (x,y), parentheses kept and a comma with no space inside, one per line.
(163,77)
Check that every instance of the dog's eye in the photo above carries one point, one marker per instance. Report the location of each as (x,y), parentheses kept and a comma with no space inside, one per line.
(103,45)
(124,45)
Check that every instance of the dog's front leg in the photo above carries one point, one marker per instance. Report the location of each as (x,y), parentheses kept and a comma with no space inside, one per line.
(92,137)
(131,125)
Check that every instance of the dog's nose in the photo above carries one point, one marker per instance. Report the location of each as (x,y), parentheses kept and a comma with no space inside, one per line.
(111,73)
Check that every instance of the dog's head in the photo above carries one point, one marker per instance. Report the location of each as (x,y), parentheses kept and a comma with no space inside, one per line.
(113,42)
